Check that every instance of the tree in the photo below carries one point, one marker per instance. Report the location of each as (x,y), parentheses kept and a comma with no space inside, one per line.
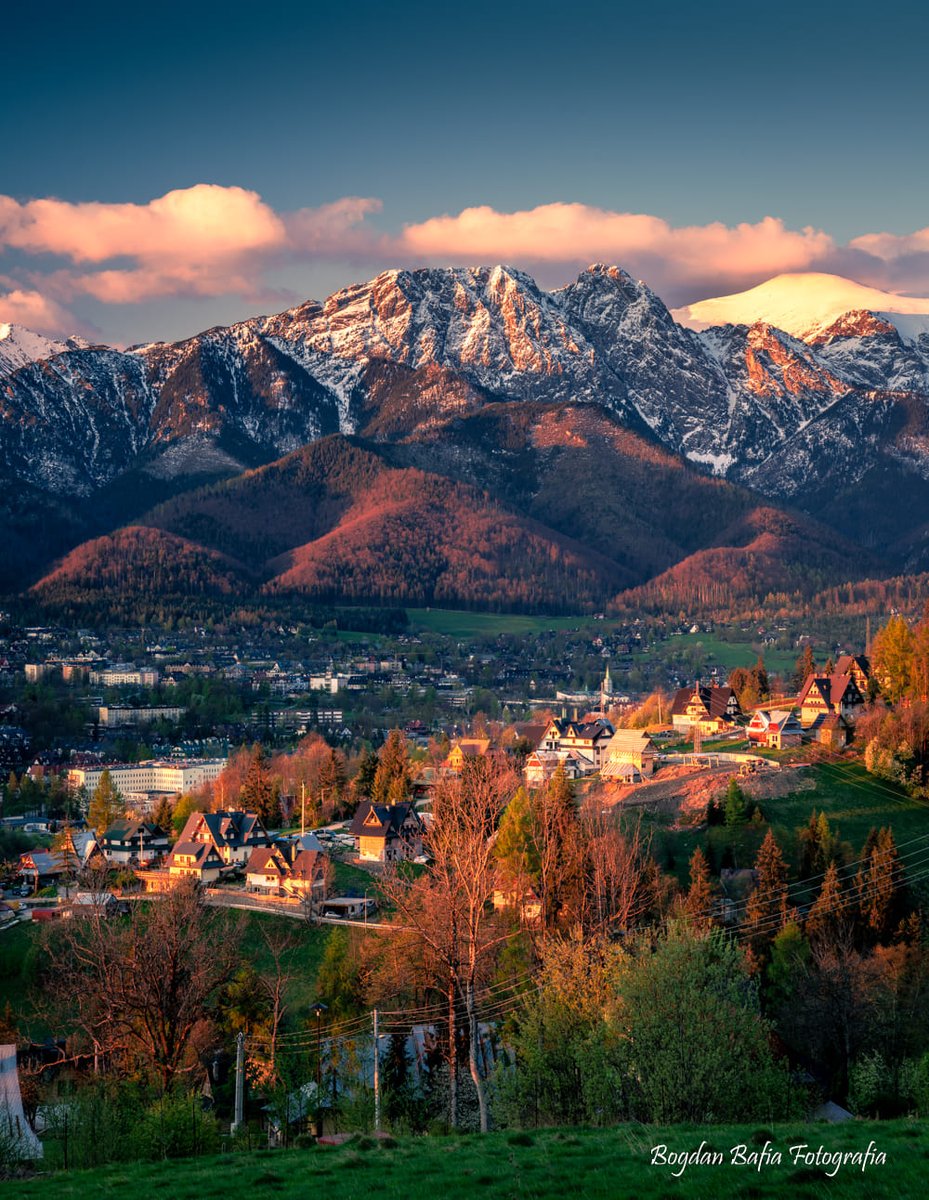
(766,911)
(106,805)
(698,1043)
(363,782)
(804,667)
(827,919)
(392,783)
(699,902)
(140,990)
(164,810)
(449,906)
(878,881)
(734,804)
(892,653)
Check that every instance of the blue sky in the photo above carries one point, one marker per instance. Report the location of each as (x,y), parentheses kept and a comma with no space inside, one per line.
(692,114)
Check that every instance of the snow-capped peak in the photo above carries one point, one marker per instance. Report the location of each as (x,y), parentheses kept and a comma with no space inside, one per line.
(20,346)
(804,304)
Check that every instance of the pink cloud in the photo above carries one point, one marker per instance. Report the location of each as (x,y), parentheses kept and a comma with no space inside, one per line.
(40,313)
(565,236)
(209,241)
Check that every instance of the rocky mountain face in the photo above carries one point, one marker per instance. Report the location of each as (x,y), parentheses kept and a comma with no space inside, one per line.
(834,424)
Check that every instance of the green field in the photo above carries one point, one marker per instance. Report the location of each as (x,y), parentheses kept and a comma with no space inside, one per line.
(453,623)
(607,1164)
(20,954)
(853,800)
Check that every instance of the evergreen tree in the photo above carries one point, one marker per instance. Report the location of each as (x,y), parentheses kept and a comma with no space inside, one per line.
(163,812)
(392,783)
(699,903)
(880,906)
(760,679)
(106,805)
(734,806)
(363,782)
(827,918)
(766,912)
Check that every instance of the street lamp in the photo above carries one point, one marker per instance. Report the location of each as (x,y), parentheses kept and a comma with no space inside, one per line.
(319,1008)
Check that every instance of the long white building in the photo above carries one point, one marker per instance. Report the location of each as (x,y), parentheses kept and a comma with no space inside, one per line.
(184,775)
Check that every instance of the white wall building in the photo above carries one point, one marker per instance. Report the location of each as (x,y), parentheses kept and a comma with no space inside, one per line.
(184,775)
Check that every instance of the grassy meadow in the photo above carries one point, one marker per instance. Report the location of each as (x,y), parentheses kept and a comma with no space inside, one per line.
(601,1164)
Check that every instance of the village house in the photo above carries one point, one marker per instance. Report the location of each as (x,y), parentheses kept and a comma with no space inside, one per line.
(233,835)
(833,732)
(630,755)
(463,750)
(776,728)
(387,832)
(541,765)
(288,869)
(706,707)
(823,695)
(588,738)
(138,842)
(858,666)
(266,871)
(194,860)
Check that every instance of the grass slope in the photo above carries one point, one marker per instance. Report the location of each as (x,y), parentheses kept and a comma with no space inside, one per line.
(608,1164)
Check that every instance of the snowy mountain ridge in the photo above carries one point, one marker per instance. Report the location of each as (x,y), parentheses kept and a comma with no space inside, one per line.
(823,421)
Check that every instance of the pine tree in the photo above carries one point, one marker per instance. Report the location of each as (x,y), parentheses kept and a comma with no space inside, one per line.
(879,901)
(734,807)
(827,916)
(767,905)
(392,778)
(106,805)
(760,679)
(363,782)
(163,812)
(699,903)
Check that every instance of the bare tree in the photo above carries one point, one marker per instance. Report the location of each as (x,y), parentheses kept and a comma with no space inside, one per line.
(140,990)
(618,885)
(449,906)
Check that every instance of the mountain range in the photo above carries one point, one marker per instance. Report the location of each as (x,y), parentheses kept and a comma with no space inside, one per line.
(457,436)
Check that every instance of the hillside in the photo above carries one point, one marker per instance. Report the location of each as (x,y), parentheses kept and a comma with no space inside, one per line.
(586,421)
(766,553)
(141,560)
(527,507)
(603,1164)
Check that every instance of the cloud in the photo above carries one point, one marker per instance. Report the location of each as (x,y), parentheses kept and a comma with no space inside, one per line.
(204,240)
(209,241)
(566,236)
(40,313)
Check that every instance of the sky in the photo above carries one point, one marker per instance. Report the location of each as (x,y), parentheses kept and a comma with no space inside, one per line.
(168,167)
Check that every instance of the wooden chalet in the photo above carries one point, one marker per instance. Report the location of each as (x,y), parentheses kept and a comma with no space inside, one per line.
(541,765)
(706,707)
(588,739)
(823,695)
(630,755)
(387,832)
(266,871)
(194,860)
(859,667)
(463,750)
(139,842)
(233,835)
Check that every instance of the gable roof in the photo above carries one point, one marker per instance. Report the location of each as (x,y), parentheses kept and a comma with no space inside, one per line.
(716,700)
(381,820)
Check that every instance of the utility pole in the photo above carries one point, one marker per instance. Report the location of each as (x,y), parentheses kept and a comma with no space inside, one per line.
(303,808)
(377,1077)
(239,1082)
